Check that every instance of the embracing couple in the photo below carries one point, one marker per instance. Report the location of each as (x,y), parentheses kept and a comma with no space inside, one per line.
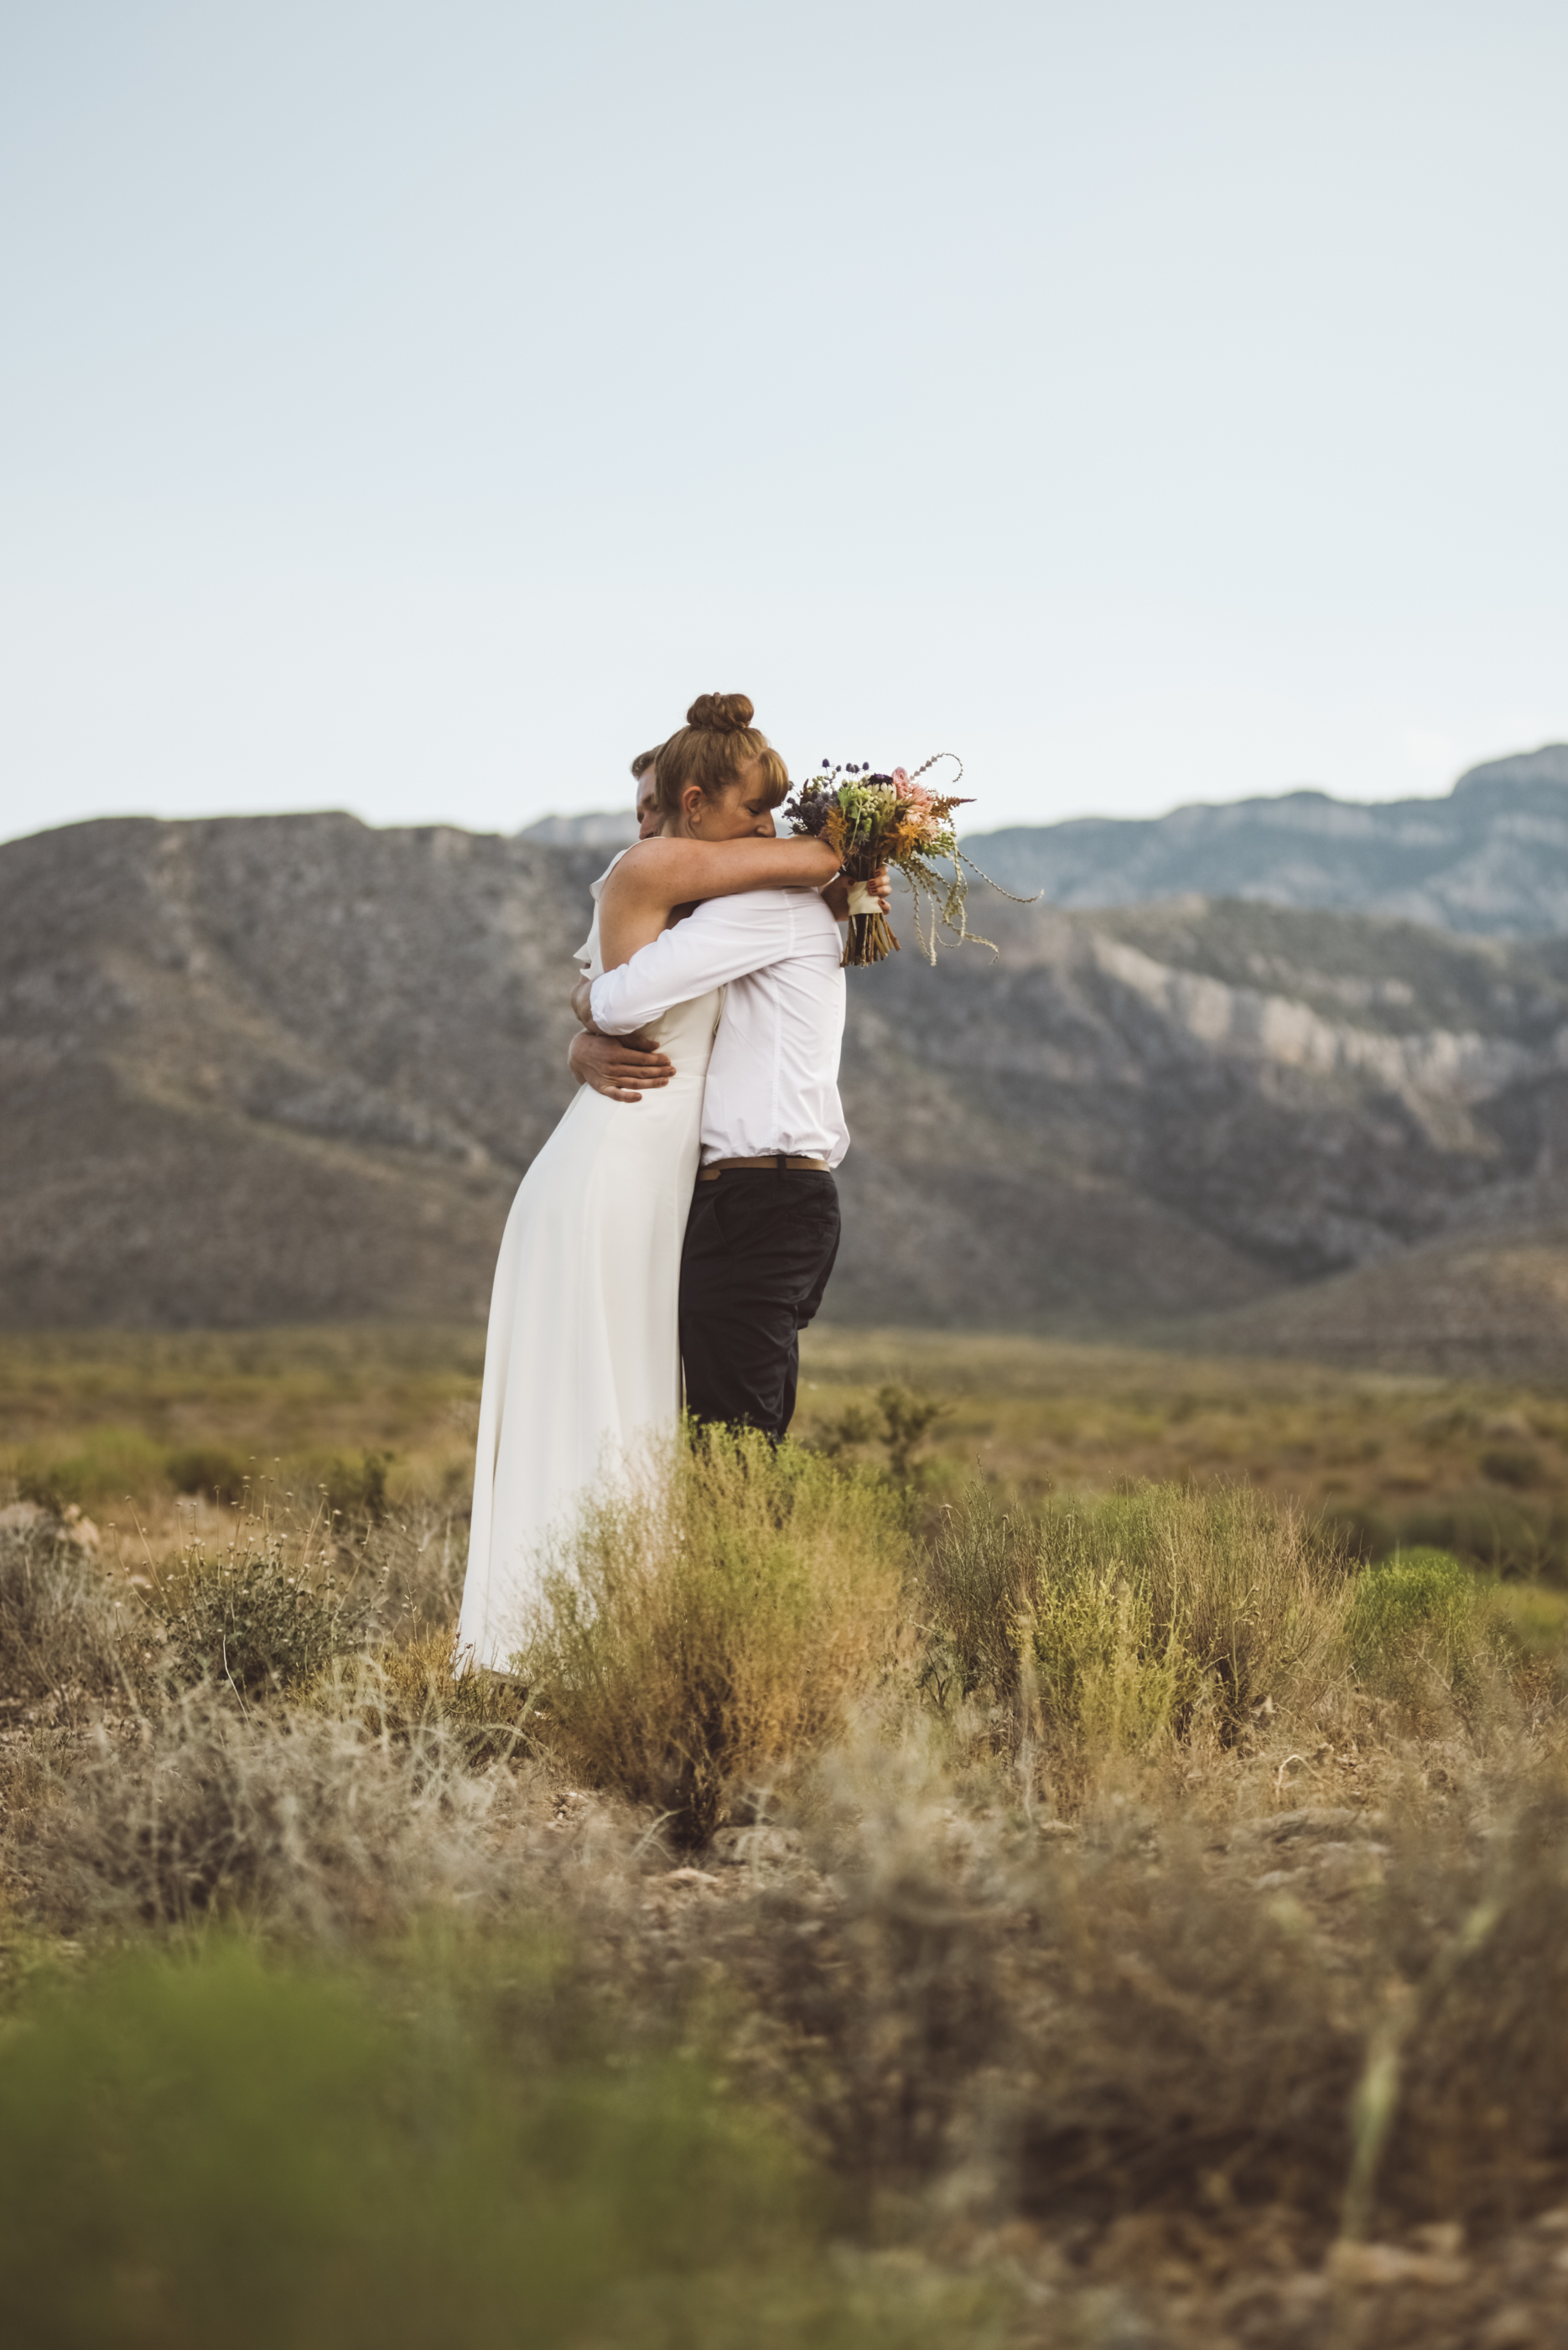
(684,1211)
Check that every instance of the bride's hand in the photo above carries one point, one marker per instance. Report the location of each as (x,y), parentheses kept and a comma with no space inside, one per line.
(836,897)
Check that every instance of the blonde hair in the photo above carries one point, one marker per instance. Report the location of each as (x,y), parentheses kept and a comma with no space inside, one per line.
(717,742)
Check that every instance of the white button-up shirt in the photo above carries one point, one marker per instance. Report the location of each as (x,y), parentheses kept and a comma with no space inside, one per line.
(773,1082)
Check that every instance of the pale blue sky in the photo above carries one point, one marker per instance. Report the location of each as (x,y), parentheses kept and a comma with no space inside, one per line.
(408,407)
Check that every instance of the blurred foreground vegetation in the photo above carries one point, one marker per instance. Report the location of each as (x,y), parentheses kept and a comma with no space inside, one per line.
(1000,1870)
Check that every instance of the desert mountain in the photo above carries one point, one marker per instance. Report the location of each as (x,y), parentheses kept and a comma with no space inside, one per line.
(1491,858)
(292,1068)
(600,830)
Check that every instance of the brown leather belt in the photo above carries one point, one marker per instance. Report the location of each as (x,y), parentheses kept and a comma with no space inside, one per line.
(776,1160)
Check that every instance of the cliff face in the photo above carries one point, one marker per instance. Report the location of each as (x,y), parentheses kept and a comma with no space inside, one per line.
(1491,859)
(271,1068)
(292,1068)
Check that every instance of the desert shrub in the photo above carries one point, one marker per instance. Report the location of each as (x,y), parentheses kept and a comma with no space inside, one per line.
(977,1592)
(62,1624)
(217,1471)
(1474,1938)
(1497,1533)
(105,1465)
(1134,2017)
(353,1490)
(907,1420)
(300,1817)
(408,1687)
(1420,1632)
(1518,1465)
(1161,1605)
(417,1558)
(1142,1614)
(260,1617)
(220,2151)
(713,1619)
(843,1433)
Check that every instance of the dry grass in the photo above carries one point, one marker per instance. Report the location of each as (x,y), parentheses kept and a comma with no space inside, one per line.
(299,1816)
(1151,1616)
(66,1633)
(1154,1929)
(1475,1467)
(705,1628)
(122,1424)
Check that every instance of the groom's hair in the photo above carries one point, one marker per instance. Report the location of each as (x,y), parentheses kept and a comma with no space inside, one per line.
(717,742)
(643,761)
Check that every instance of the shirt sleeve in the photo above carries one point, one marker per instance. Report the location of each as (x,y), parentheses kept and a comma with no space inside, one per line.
(724,939)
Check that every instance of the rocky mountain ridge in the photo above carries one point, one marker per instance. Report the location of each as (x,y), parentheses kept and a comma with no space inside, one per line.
(1490,859)
(292,1068)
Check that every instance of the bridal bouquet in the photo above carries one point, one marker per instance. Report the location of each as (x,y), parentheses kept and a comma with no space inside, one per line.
(871,820)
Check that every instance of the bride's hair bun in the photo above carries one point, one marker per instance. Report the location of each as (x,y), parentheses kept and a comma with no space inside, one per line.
(716,746)
(720,713)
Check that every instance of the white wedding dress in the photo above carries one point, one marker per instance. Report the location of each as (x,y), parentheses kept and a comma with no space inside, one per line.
(582,1362)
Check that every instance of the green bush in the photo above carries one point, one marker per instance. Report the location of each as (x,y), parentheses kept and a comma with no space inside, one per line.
(714,1620)
(978,1592)
(1139,1614)
(907,1420)
(216,1471)
(1494,1532)
(219,2151)
(106,1465)
(1419,1630)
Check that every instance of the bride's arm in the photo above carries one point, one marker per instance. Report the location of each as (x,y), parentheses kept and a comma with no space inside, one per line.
(723,868)
(655,875)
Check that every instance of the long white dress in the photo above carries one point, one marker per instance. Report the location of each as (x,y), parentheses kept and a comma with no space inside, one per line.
(583,1357)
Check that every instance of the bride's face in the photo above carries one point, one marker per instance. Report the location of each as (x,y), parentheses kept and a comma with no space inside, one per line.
(743,808)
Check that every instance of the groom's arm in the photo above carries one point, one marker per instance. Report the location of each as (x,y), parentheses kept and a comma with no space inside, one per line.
(724,939)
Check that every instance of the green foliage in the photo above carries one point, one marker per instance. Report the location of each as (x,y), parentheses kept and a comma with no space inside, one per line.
(110,1464)
(357,1488)
(977,1591)
(216,1471)
(1420,1631)
(907,1420)
(1140,1614)
(851,1427)
(220,2151)
(105,1464)
(256,1619)
(713,1620)
(1114,1672)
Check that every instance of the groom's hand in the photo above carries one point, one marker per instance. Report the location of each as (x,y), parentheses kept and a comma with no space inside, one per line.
(617,1067)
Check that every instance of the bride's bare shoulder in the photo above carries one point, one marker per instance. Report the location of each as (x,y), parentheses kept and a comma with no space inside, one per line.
(640,867)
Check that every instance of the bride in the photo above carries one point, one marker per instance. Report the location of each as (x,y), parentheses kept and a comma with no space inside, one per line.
(582,1359)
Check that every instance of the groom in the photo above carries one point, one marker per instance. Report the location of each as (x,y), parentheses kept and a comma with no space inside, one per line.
(763,1228)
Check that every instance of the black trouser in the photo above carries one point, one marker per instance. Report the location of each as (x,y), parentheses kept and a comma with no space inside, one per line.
(760,1244)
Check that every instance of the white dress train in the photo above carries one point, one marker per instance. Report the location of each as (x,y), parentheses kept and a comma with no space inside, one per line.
(582,1361)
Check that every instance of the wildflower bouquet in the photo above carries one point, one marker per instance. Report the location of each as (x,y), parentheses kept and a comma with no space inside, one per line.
(872,821)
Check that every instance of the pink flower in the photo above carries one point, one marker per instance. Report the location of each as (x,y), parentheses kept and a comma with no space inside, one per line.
(901,777)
